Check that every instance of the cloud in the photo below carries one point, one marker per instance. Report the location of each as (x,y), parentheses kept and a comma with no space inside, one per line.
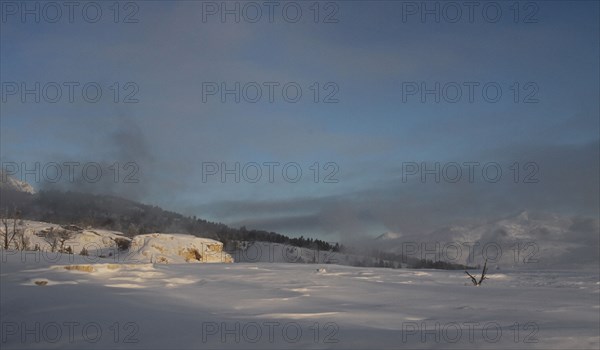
(566,183)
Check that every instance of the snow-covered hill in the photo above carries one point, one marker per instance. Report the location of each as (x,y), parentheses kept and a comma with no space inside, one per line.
(113,245)
(9,183)
(47,237)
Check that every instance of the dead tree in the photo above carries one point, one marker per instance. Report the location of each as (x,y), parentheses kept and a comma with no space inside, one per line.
(483,277)
(58,237)
(5,220)
(22,242)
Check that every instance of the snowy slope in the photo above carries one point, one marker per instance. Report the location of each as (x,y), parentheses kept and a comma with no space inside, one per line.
(279,306)
(9,183)
(42,235)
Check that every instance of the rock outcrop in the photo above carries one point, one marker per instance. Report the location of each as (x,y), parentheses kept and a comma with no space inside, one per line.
(177,248)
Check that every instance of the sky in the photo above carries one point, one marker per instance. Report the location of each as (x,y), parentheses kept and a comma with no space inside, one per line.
(378,104)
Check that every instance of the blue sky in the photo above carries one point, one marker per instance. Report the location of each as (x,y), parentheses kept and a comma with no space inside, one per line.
(369,55)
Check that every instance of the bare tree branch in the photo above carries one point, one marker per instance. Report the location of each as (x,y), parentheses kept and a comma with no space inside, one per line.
(483,277)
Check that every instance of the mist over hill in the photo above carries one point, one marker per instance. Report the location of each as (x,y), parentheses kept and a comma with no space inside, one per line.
(130,217)
(524,239)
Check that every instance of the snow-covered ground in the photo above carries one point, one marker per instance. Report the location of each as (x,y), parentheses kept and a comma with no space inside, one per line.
(65,301)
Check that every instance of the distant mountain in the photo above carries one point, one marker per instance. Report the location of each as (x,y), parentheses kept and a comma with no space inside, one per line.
(387,236)
(524,239)
(9,183)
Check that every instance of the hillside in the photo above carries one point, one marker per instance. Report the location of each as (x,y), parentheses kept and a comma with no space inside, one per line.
(132,218)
